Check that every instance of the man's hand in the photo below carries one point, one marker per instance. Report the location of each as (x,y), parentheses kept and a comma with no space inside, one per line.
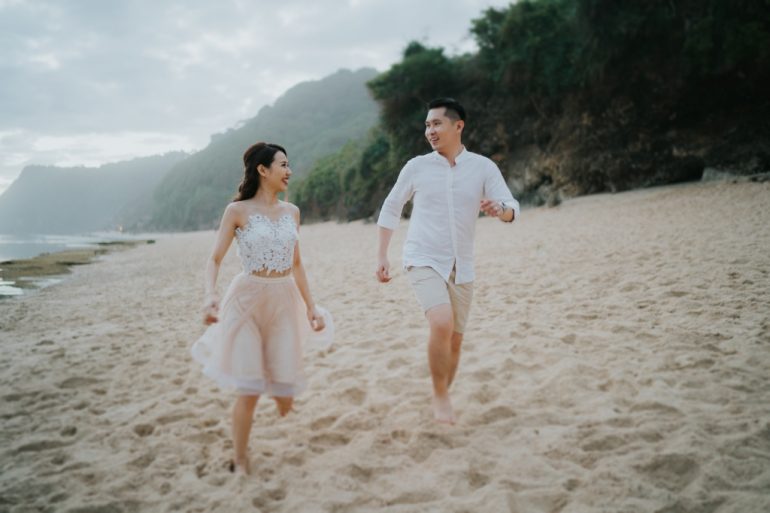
(383,270)
(495,209)
(492,208)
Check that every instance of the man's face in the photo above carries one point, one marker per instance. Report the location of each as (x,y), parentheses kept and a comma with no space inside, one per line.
(440,130)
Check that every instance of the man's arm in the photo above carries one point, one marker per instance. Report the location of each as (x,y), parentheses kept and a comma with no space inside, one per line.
(499,201)
(390,215)
(498,209)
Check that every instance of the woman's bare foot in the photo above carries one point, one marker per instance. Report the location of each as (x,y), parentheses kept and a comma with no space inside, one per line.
(442,410)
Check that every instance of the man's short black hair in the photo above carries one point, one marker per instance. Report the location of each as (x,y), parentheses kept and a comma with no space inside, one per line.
(453,109)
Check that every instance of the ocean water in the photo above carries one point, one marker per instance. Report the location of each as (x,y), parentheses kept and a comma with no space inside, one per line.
(18,247)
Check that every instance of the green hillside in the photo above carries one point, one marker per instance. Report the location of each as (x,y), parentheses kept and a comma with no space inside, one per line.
(311,120)
(56,200)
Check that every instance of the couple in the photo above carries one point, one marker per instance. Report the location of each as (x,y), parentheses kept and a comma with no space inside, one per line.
(255,344)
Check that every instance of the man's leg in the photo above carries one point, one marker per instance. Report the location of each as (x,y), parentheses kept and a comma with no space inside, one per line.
(461,297)
(440,359)
(457,342)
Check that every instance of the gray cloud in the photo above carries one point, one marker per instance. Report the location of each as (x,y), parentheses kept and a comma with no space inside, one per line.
(95,81)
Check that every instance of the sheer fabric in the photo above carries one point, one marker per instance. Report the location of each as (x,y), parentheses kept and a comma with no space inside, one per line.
(267,245)
(256,347)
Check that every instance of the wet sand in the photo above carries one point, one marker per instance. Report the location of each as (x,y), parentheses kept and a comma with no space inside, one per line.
(26,273)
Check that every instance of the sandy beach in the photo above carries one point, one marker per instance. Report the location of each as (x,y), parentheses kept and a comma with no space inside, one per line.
(616,360)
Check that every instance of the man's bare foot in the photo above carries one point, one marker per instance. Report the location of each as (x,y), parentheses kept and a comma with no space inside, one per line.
(284,404)
(240,467)
(442,410)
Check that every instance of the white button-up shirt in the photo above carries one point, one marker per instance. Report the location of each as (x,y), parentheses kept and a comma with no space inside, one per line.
(446,206)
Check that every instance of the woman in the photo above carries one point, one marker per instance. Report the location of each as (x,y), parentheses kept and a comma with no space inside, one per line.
(254,343)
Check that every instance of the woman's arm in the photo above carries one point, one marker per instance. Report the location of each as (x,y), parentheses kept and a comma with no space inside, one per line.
(315,318)
(225,235)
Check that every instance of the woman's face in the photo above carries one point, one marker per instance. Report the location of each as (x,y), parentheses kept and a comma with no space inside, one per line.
(277,175)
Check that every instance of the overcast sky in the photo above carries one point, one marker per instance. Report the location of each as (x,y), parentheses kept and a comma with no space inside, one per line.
(84,82)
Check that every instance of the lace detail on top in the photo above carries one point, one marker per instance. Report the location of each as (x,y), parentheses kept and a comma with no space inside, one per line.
(267,245)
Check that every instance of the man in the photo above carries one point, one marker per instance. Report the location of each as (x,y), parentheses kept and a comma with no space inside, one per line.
(449,187)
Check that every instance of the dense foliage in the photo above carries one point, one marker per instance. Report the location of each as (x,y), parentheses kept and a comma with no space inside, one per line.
(573,97)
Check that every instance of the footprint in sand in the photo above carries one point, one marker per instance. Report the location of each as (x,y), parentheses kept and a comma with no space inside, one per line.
(357,420)
(143,461)
(209,423)
(495,414)
(18,396)
(354,396)
(324,442)
(400,435)
(485,394)
(269,500)
(397,363)
(78,382)
(173,417)
(421,448)
(604,444)
(670,471)
(477,479)
(144,429)
(483,375)
(60,459)
(323,423)
(655,407)
(68,431)
(414,497)
(297,459)
(43,445)
(361,474)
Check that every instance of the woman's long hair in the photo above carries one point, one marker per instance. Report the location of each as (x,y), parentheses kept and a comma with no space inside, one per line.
(259,153)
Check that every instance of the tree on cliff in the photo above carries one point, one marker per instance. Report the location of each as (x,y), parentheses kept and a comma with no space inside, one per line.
(579,96)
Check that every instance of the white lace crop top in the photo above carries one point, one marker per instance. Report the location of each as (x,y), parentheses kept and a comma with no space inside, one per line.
(267,245)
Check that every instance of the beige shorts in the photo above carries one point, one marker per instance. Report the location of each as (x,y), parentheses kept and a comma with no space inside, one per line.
(431,290)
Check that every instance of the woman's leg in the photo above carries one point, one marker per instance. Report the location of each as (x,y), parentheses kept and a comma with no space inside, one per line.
(243,416)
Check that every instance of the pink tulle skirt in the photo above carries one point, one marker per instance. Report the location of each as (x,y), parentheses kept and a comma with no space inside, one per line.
(256,347)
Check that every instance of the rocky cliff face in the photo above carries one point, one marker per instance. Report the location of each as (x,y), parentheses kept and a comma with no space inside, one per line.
(625,143)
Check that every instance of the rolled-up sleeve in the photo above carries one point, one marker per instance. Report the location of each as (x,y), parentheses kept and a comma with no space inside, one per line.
(390,214)
(496,189)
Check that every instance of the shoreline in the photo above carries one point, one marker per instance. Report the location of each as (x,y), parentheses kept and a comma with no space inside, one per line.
(18,275)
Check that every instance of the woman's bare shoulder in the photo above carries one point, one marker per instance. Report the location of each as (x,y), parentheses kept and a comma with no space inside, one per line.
(238,211)
(289,208)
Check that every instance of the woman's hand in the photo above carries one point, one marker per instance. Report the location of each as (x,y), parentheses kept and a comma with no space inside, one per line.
(211,309)
(316,319)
